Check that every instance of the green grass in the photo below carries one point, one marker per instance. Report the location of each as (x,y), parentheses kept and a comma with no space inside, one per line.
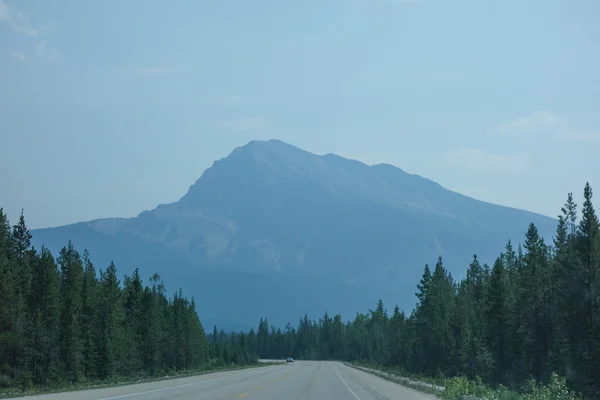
(7,393)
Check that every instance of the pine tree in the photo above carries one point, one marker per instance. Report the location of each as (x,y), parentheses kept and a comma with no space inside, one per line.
(424,284)
(377,330)
(498,311)
(535,305)
(263,338)
(570,215)
(442,299)
(337,342)
(423,315)
(111,349)
(7,298)
(397,355)
(89,318)
(22,244)
(22,283)
(44,309)
(471,353)
(133,328)
(588,253)
(70,341)
(197,343)
(178,329)
(152,326)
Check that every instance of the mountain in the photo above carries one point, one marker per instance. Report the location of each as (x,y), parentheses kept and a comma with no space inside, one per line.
(272,230)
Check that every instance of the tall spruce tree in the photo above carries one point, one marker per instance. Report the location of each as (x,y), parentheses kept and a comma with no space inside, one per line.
(89,318)
(497,314)
(23,258)
(110,351)
(44,311)
(7,299)
(588,254)
(70,339)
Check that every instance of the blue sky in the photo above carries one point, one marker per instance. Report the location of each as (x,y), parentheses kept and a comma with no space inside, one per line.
(109,108)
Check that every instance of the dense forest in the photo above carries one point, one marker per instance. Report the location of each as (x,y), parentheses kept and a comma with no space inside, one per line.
(62,322)
(535,311)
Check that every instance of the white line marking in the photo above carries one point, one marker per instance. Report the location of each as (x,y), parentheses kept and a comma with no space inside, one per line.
(173,387)
(352,392)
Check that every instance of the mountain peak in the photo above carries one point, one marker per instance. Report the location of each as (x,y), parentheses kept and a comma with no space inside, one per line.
(271,145)
(270,163)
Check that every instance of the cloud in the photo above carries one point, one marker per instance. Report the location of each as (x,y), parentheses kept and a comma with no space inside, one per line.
(536,122)
(18,56)
(482,161)
(545,123)
(13,17)
(42,50)
(251,124)
(161,70)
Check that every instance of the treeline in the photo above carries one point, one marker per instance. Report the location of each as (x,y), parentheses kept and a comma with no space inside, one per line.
(63,322)
(535,311)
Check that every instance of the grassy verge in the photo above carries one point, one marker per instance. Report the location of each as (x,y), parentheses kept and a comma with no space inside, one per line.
(426,385)
(7,393)
(461,388)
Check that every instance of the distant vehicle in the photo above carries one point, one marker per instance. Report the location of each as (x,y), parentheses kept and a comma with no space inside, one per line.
(289,360)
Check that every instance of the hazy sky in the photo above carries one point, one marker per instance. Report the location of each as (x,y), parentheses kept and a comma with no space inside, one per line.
(108,108)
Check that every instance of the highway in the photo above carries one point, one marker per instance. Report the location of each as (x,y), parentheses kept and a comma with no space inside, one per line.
(314,380)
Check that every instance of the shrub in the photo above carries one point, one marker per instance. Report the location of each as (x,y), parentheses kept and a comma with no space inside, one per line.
(5,381)
(556,390)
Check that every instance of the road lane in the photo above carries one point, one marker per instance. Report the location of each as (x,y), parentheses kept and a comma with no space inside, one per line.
(370,387)
(310,380)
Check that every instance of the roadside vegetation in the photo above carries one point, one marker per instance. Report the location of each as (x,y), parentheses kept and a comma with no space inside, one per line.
(462,388)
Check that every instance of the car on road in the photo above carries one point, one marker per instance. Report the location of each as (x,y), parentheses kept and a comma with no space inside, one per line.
(289,360)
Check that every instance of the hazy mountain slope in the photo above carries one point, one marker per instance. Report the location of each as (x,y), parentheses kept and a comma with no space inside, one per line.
(271,227)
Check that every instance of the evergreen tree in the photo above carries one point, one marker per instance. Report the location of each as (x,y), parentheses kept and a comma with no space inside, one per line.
(497,313)
(22,244)
(588,253)
(22,329)
(110,351)
(535,305)
(7,299)
(89,318)
(70,340)
(133,328)
(44,312)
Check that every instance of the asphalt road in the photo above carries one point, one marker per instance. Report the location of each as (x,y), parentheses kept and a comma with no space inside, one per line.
(314,380)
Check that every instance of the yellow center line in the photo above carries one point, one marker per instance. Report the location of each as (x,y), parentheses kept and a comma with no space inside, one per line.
(241,396)
(260,386)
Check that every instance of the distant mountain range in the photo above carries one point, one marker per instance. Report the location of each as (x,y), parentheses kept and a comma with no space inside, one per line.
(274,231)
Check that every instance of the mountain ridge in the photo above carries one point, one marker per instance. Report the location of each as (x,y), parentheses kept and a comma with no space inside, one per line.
(278,142)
